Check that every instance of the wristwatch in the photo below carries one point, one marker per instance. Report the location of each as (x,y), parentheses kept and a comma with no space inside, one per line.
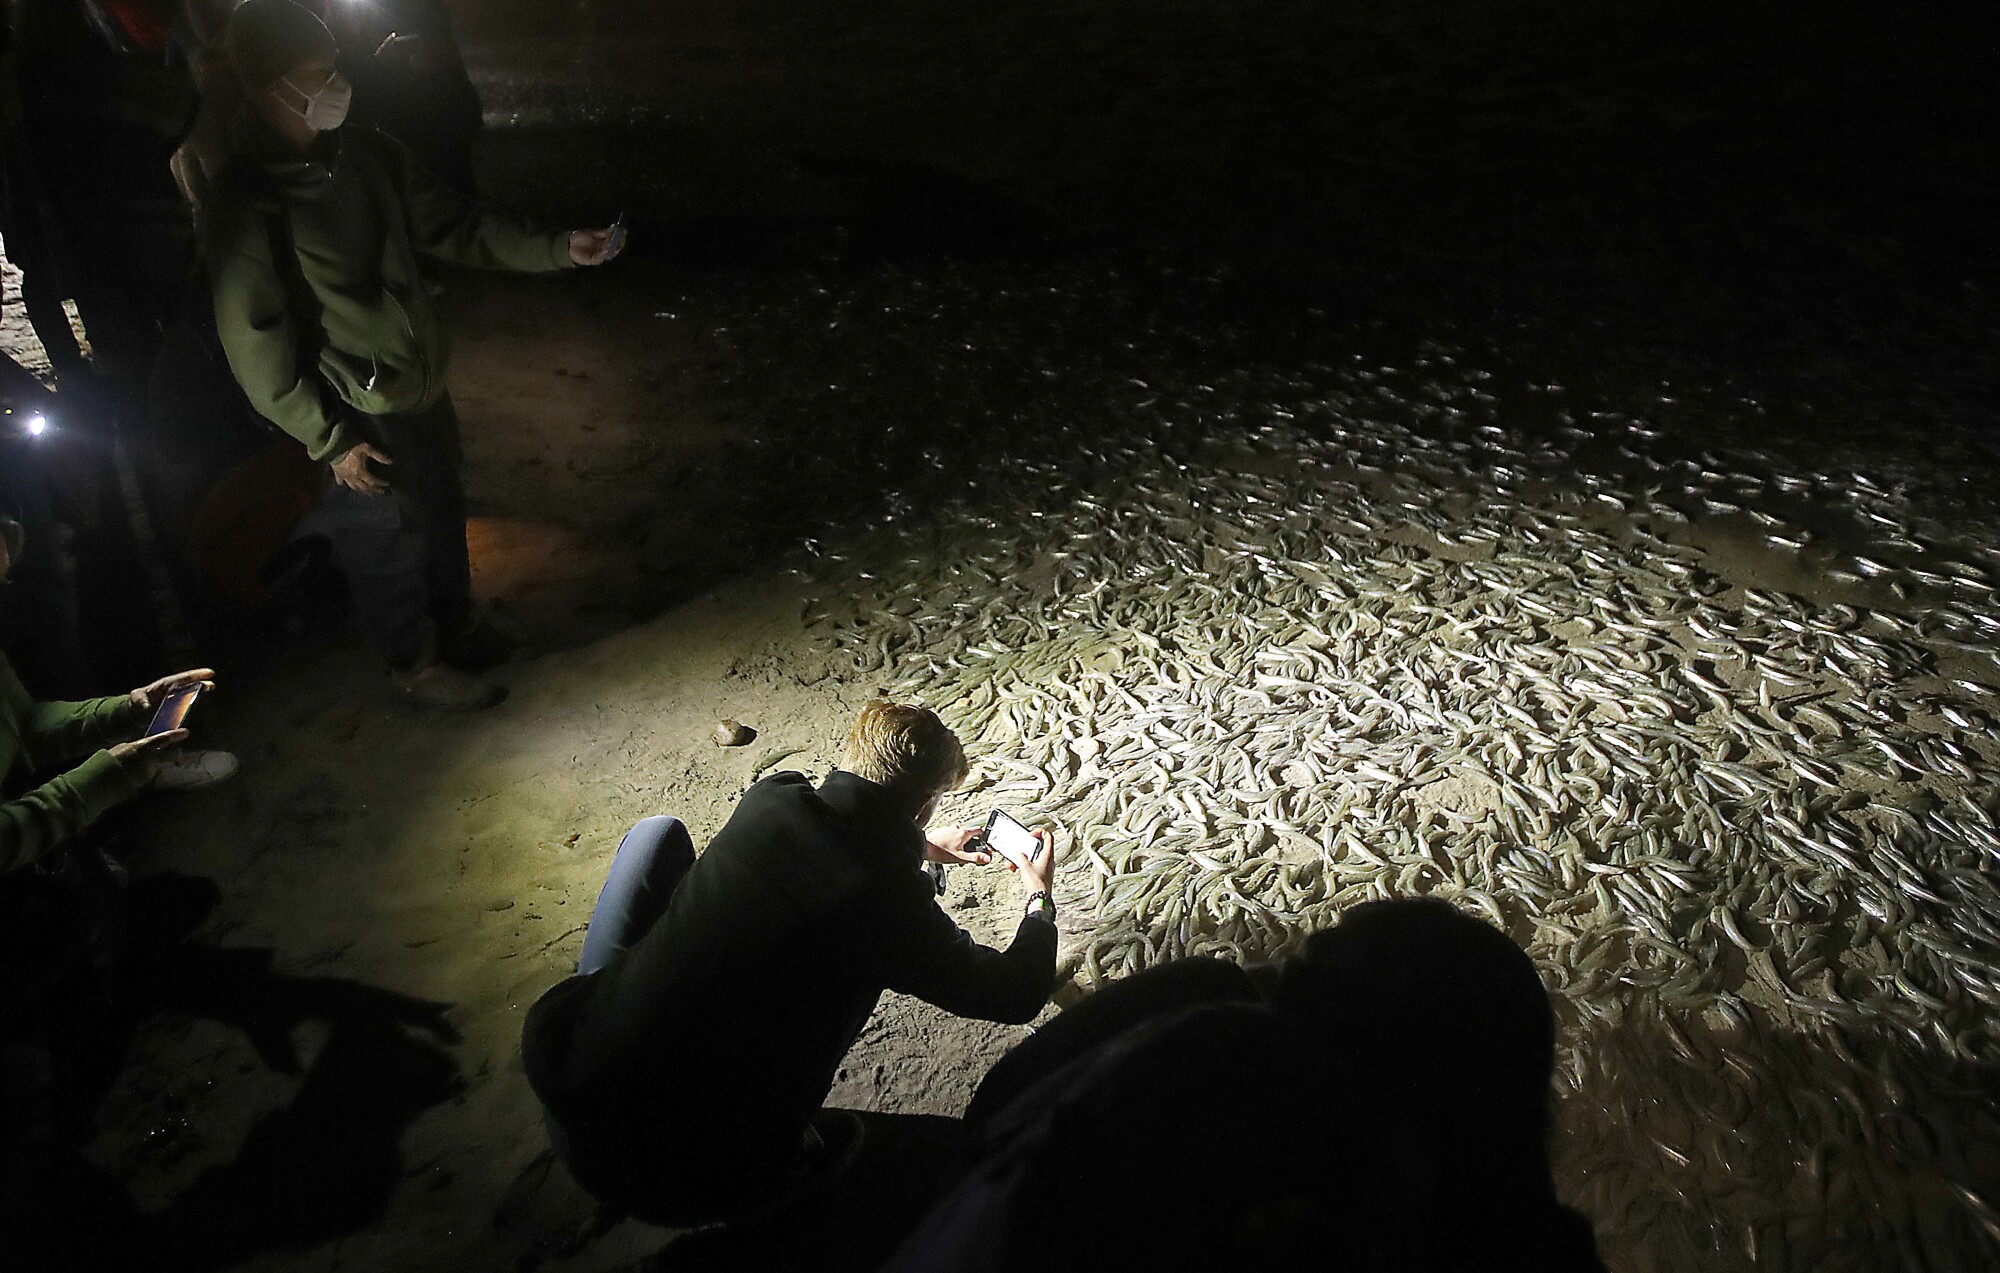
(1040,903)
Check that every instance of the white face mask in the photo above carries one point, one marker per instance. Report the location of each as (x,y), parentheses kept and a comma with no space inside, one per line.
(325,110)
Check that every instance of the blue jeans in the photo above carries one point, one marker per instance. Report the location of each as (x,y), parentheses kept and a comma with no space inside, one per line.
(652,860)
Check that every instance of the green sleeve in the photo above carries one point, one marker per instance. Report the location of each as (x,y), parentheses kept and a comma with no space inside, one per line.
(52,734)
(260,336)
(57,732)
(61,808)
(447,225)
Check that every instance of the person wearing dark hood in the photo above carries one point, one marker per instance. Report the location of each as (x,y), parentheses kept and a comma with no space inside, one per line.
(1379,1103)
(313,235)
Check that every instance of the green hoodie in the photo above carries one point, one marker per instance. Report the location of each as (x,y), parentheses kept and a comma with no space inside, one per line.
(318,293)
(37,736)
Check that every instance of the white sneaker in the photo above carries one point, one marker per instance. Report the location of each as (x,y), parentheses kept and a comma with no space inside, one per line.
(185,770)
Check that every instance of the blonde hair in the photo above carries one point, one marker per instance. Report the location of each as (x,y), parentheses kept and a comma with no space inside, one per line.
(904,748)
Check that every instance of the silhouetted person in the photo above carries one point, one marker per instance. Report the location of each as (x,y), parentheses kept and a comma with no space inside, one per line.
(410,81)
(24,232)
(1380,1103)
(43,481)
(100,103)
(682,1067)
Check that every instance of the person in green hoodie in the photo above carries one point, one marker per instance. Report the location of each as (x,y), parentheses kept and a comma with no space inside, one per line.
(37,820)
(315,237)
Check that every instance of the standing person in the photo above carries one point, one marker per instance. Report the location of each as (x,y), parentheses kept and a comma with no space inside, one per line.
(313,236)
(95,103)
(102,102)
(683,1065)
(24,236)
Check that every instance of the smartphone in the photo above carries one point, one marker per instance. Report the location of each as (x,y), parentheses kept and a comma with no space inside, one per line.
(616,243)
(1007,837)
(174,709)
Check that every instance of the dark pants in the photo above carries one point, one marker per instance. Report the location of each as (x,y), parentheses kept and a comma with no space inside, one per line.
(28,248)
(404,552)
(1119,1007)
(653,859)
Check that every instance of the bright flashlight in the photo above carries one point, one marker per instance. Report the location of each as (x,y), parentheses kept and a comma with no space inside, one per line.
(37,425)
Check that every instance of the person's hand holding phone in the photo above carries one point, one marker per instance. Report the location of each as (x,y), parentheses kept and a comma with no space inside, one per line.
(147,697)
(143,758)
(956,846)
(1036,865)
(1039,875)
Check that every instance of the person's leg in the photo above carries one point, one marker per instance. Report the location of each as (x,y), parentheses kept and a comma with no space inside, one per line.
(386,545)
(26,246)
(1120,1006)
(652,859)
(426,477)
(381,553)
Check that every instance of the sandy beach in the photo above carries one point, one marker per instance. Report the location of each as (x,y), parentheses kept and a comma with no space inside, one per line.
(966,358)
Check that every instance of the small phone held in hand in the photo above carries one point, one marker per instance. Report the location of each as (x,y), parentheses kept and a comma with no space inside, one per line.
(1007,837)
(174,709)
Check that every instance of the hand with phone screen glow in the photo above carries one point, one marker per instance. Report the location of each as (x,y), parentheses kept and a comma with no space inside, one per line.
(1037,870)
(147,697)
(144,758)
(956,846)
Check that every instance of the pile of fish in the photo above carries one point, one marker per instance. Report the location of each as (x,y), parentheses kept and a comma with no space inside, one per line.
(1715,736)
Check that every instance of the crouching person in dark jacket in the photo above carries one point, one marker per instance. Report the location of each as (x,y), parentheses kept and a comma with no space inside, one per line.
(682,1067)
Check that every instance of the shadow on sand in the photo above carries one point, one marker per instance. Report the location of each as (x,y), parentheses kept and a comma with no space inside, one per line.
(854,1223)
(322,1165)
